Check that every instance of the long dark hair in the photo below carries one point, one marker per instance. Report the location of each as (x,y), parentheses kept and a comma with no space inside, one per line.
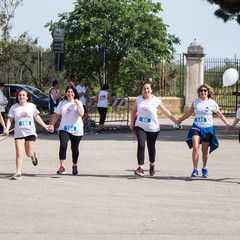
(76,95)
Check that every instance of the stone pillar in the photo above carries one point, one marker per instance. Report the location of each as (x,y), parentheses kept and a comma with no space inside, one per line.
(194,71)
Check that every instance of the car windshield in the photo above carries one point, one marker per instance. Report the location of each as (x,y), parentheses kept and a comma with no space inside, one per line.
(38,93)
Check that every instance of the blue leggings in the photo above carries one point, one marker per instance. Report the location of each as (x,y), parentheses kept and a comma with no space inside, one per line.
(151,138)
(64,137)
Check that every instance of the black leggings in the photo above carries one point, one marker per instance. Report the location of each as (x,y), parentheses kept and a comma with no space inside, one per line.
(64,137)
(103,114)
(151,138)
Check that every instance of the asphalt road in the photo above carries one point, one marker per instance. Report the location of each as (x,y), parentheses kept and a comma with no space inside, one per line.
(106,201)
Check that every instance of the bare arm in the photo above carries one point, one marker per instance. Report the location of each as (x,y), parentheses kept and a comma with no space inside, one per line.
(80,108)
(167,113)
(54,94)
(133,115)
(54,119)
(2,121)
(186,115)
(8,125)
(110,99)
(222,117)
(42,123)
(235,122)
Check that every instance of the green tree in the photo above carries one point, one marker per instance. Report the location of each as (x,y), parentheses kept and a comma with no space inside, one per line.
(121,38)
(228,9)
(20,59)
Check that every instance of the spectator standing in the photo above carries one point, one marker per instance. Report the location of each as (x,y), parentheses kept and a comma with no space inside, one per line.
(54,96)
(82,89)
(103,99)
(3,104)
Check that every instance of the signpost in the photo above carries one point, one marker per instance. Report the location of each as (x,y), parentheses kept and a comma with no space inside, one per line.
(57,47)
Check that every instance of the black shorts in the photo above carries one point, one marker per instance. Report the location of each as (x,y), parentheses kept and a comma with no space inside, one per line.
(28,138)
(209,136)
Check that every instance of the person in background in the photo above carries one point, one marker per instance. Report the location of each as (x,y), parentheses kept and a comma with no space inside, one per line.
(103,99)
(3,104)
(145,125)
(2,122)
(235,122)
(23,112)
(82,89)
(54,97)
(71,127)
(72,80)
(202,130)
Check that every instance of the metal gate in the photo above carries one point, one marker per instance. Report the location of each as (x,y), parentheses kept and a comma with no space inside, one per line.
(226,97)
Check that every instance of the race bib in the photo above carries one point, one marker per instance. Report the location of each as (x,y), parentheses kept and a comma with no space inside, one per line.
(145,119)
(24,122)
(200,119)
(70,129)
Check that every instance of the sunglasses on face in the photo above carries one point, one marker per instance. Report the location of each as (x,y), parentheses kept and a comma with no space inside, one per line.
(203,90)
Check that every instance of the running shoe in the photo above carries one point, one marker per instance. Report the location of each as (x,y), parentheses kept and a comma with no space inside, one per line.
(61,170)
(16,176)
(74,170)
(152,170)
(194,173)
(204,173)
(34,159)
(139,172)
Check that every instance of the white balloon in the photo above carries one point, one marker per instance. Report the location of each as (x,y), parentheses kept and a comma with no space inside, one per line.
(230,76)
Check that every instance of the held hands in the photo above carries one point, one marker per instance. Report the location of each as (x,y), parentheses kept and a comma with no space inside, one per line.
(5,132)
(229,127)
(50,128)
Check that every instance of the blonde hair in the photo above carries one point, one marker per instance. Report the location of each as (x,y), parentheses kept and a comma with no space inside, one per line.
(210,90)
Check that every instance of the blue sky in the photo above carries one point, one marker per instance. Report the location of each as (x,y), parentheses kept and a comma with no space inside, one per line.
(188,19)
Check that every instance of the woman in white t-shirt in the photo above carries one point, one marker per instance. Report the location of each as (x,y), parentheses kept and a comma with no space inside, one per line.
(71,127)
(202,131)
(103,99)
(145,125)
(23,112)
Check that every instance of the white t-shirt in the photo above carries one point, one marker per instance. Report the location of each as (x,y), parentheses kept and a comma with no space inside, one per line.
(3,101)
(238,113)
(82,89)
(203,112)
(147,114)
(24,119)
(103,99)
(71,121)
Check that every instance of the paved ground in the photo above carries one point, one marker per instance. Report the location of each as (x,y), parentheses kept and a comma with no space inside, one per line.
(105,201)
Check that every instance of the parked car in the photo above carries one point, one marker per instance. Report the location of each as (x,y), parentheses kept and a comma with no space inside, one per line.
(39,98)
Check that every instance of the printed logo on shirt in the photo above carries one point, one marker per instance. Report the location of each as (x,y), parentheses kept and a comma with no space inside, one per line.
(207,109)
(145,109)
(24,114)
(68,111)
(102,97)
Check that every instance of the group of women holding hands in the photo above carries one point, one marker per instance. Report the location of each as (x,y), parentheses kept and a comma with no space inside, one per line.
(144,124)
